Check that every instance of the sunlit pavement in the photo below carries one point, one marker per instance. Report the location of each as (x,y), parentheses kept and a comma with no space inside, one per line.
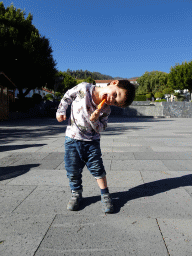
(149,170)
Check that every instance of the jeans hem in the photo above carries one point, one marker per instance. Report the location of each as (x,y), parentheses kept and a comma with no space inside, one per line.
(101,176)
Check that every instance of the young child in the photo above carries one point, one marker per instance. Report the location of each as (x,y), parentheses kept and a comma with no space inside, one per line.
(82,140)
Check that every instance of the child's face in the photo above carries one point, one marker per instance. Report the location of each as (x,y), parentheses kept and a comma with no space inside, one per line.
(114,95)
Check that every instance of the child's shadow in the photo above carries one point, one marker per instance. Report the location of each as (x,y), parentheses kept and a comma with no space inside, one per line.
(144,190)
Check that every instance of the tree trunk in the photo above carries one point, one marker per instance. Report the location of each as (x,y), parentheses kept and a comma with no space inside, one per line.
(22,94)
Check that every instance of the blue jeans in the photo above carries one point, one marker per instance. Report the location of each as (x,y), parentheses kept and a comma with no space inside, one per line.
(79,153)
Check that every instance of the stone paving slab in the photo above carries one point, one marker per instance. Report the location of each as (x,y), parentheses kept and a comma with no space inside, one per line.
(120,179)
(118,155)
(131,148)
(139,165)
(42,177)
(177,235)
(55,156)
(40,164)
(172,142)
(171,149)
(162,155)
(150,186)
(15,157)
(152,201)
(21,234)
(178,165)
(86,235)
(12,196)
(45,199)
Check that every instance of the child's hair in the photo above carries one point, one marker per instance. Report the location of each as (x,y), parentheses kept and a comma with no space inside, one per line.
(130,91)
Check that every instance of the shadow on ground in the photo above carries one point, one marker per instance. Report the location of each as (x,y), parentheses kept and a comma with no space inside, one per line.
(10,172)
(17,147)
(144,190)
(41,128)
(30,129)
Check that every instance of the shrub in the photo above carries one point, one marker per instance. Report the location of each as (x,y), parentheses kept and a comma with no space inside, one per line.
(148,95)
(48,96)
(140,98)
(160,100)
(159,95)
(58,95)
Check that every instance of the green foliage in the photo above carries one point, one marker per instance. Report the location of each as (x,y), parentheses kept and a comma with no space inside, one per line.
(26,56)
(168,90)
(80,81)
(58,95)
(162,100)
(159,95)
(148,95)
(80,74)
(140,98)
(48,96)
(180,76)
(64,82)
(90,80)
(151,82)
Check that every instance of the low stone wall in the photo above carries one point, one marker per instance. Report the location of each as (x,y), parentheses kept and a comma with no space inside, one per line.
(155,109)
(177,109)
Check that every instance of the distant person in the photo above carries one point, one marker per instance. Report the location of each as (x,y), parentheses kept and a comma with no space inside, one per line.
(82,140)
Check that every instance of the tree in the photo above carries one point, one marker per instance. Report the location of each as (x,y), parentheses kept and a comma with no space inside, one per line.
(80,74)
(159,95)
(90,80)
(188,76)
(180,76)
(152,82)
(26,56)
(64,82)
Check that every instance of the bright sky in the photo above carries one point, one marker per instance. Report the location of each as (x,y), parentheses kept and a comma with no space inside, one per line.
(121,38)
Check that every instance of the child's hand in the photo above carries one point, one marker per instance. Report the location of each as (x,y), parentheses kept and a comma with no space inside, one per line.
(61,118)
(95,115)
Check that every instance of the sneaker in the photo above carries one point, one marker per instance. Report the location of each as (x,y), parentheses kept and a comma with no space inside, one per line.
(74,201)
(107,204)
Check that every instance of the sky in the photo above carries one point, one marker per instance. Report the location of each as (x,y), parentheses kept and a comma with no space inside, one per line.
(120,38)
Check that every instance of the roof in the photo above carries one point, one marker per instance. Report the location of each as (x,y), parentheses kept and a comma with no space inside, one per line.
(46,90)
(103,81)
(133,79)
(6,82)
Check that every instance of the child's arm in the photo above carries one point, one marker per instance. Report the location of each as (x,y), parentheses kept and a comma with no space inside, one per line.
(99,122)
(60,118)
(67,99)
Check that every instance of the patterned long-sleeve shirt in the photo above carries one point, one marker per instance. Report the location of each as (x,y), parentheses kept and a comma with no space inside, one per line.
(82,106)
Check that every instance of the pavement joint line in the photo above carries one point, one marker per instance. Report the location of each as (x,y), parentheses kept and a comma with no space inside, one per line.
(45,235)
(162,237)
(24,199)
(58,165)
(142,177)
(110,165)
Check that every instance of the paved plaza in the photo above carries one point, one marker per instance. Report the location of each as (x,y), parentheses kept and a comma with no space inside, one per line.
(149,170)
